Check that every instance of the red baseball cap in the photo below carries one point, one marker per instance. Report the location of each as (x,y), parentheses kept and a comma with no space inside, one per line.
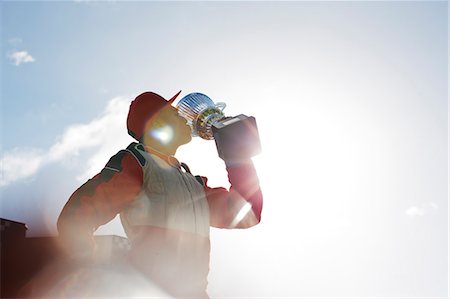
(142,109)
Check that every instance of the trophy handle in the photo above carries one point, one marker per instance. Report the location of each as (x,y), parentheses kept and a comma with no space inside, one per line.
(221,105)
(191,125)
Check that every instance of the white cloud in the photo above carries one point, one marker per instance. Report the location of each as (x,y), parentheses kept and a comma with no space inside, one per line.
(424,209)
(111,135)
(104,135)
(415,211)
(20,57)
(19,164)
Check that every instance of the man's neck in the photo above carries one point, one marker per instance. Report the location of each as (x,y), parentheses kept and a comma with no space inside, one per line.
(161,149)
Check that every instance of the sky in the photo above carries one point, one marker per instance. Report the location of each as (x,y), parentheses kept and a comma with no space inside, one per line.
(351,102)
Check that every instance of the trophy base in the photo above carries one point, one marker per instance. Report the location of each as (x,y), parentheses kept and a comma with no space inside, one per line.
(236,138)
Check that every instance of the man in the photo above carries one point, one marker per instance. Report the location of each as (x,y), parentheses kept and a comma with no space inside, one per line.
(166,211)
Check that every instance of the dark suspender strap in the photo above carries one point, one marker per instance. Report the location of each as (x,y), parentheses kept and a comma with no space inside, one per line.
(134,148)
(200,180)
(197,177)
(186,168)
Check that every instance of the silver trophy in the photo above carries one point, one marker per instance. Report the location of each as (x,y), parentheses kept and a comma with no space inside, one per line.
(236,137)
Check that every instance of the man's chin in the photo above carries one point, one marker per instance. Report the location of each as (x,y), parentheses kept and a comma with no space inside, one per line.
(184,140)
(188,139)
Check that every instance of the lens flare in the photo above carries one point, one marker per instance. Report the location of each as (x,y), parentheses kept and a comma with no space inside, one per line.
(241,214)
(163,134)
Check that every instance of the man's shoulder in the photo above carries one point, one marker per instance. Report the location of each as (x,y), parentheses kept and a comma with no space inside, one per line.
(134,149)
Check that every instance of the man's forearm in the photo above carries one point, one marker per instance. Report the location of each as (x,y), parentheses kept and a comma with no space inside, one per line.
(244,179)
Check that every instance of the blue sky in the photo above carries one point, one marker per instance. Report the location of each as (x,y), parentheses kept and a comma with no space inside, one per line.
(351,100)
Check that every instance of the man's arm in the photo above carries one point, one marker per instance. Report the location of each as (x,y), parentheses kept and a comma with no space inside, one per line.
(240,207)
(98,201)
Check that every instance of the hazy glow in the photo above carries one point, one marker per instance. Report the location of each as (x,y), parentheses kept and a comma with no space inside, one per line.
(93,281)
(351,102)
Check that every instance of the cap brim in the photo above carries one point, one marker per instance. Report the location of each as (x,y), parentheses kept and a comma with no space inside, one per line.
(174,97)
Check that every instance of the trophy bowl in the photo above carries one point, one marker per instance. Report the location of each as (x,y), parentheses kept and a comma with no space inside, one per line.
(200,112)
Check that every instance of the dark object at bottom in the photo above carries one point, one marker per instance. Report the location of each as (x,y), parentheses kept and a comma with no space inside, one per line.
(24,258)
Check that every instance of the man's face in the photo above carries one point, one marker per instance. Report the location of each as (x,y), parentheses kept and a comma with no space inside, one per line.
(169,128)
